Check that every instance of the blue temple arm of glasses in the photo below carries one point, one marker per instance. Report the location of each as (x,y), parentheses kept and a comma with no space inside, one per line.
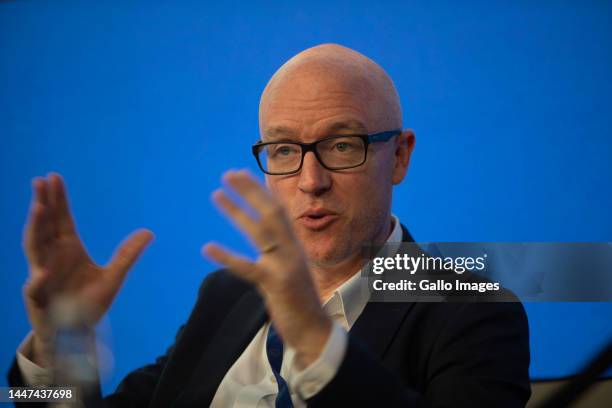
(384,136)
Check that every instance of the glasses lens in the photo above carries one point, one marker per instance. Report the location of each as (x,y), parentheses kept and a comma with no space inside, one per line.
(342,152)
(278,158)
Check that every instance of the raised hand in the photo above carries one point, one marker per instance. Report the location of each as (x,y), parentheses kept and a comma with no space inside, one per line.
(60,267)
(281,272)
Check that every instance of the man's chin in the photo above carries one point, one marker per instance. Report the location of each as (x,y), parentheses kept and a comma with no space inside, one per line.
(326,251)
(318,238)
(324,246)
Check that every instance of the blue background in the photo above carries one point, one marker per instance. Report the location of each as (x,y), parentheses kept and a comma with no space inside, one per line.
(142,106)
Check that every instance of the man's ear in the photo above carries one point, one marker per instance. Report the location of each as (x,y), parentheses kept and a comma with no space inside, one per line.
(404,144)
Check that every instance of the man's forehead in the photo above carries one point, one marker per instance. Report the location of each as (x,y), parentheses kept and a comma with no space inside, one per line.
(324,103)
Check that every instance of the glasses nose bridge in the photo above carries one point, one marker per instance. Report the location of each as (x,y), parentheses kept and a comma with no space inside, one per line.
(312,147)
(309,147)
(314,177)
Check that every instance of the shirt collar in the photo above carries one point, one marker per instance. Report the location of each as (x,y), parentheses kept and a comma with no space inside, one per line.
(350,298)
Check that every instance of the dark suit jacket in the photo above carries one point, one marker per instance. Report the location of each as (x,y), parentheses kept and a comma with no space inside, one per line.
(398,354)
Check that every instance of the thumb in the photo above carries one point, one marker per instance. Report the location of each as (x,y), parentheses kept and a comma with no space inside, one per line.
(127,253)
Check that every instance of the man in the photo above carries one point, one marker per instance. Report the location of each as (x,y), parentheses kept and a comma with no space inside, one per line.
(292,328)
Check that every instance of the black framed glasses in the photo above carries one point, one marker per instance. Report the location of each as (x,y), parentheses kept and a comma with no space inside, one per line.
(333,152)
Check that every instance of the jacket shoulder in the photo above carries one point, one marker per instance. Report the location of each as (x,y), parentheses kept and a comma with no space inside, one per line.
(222,284)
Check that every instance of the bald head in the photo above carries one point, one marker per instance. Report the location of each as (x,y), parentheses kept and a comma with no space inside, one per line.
(327,71)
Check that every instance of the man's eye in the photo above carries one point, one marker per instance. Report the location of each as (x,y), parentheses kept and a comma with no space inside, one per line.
(284,151)
(342,146)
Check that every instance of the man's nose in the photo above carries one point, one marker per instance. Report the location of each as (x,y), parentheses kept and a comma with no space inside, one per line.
(314,178)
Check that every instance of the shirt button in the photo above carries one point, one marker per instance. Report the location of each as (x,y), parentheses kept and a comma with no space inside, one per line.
(272,378)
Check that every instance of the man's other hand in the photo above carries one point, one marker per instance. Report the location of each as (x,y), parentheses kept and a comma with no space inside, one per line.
(60,267)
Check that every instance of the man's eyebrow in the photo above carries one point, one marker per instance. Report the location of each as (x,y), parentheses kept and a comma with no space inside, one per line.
(352,125)
(278,132)
(284,132)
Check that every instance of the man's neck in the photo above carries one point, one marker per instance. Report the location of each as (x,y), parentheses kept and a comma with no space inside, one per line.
(330,277)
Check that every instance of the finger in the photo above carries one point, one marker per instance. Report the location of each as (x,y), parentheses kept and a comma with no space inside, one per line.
(271,214)
(40,188)
(127,253)
(61,209)
(33,236)
(237,264)
(251,191)
(37,229)
(240,218)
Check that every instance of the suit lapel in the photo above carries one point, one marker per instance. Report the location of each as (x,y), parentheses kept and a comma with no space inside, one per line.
(377,325)
(230,340)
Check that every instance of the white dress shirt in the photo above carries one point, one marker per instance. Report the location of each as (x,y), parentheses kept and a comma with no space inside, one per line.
(250,381)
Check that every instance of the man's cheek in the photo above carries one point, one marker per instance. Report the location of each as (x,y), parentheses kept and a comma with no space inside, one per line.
(285,200)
